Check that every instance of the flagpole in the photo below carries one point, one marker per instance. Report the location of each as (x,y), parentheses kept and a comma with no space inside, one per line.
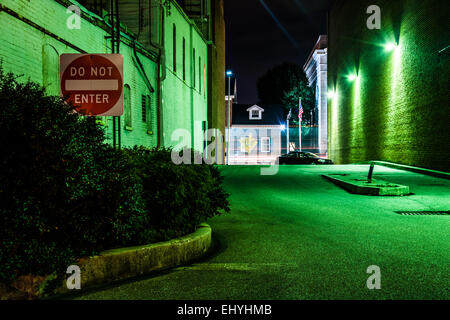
(300,128)
(287,131)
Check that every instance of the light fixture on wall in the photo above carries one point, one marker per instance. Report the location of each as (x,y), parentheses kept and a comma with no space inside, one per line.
(352,77)
(391,46)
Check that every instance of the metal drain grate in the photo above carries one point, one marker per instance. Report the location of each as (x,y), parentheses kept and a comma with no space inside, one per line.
(423,213)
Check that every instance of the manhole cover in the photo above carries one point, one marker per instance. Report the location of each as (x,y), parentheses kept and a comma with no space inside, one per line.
(423,213)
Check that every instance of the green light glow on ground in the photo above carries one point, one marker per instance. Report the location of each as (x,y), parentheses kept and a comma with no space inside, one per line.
(297,236)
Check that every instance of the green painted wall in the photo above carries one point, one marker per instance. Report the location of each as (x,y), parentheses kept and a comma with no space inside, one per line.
(397,109)
(31,45)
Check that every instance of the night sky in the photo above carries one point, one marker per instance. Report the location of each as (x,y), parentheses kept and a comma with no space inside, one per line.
(255,42)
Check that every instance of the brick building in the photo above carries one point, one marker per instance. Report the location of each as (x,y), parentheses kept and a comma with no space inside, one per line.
(389,86)
(172,57)
(316,72)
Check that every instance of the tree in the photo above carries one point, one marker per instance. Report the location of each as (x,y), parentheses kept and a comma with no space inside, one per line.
(285,84)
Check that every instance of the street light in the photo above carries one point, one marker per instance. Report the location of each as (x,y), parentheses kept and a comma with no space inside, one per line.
(229,74)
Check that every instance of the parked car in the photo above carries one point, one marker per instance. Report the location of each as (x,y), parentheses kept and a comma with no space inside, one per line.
(297,157)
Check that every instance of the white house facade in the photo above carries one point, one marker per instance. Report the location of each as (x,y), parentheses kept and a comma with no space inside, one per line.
(255,134)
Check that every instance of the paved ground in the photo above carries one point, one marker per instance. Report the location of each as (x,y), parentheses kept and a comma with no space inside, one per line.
(297,236)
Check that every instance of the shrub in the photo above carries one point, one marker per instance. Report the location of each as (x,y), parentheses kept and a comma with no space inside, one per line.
(177,197)
(63,191)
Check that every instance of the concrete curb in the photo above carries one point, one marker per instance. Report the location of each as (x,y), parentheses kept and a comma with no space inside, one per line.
(429,172)
(357,185)
(120,264)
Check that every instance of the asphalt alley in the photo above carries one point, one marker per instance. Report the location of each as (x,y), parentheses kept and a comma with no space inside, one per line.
(295,235)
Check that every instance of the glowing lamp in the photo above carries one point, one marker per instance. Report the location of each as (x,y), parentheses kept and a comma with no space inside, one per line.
(390,46)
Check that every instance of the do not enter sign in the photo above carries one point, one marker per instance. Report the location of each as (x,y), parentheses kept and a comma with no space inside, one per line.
(93,83)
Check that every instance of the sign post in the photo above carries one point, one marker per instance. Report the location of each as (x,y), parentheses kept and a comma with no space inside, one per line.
(93,83)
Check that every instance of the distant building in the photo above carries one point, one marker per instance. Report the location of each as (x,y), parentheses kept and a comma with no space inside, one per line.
(316,72)
(255,135)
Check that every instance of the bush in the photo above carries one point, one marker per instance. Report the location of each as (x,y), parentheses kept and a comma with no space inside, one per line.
(65,193)
(177,197)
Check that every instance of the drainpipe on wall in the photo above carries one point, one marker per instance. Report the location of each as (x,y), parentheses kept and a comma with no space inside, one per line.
(160,72)
(141,67)
(191,38)
(111,16)
(119,136)
(161,76)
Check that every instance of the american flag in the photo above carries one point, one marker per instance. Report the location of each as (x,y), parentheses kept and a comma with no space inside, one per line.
(300,110)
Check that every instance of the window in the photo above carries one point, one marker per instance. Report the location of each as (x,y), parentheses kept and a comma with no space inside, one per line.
(184,59)
(204,80)
(127,107)
(255,114)
(95,6)
(292,155)
(193,66)
(265,144)
(145,104)
(174,48)
(146,112)
(248,144)
(244,144)
(149,115)
(200,74)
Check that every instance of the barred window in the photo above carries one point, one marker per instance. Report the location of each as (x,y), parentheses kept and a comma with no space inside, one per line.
(146,112)
(144,107)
